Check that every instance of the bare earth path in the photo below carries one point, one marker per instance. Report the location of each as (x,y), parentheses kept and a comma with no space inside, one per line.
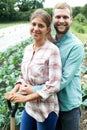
(13,35)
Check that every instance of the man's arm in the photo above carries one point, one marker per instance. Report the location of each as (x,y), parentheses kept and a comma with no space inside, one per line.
(73,63)
(37,87)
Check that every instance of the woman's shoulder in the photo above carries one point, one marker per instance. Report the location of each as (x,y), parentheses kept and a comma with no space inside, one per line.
(52,46)
(28,47)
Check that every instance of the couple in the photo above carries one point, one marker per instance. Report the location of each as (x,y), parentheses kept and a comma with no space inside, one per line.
(40,84)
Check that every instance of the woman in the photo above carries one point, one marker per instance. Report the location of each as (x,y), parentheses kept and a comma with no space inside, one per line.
(41,65)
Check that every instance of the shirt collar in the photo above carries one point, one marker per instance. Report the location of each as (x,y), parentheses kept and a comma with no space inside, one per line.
(63,38)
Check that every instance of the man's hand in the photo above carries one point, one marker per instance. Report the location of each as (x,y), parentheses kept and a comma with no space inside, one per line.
(25,89)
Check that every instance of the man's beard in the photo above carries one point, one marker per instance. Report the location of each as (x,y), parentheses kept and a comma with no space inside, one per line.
(61,32)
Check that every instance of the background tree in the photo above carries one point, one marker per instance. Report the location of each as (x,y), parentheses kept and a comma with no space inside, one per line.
(80,18)
(6,9)
(84,10)
(25,5)
(76,11)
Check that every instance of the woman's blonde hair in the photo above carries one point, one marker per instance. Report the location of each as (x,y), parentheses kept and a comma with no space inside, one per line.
(46,19)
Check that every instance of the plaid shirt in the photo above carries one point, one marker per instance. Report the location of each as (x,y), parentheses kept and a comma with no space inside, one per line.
(42,67)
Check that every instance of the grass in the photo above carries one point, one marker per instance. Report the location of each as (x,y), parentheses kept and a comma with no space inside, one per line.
(75,26)
(82,37)
(4,25)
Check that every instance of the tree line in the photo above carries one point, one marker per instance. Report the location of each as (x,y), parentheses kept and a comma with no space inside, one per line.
(16,10)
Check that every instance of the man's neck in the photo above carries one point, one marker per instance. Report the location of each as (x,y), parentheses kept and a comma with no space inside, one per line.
(59,36)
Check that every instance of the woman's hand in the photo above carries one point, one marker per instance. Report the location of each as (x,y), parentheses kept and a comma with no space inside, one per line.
(25,89)
(9,95)
(18,98)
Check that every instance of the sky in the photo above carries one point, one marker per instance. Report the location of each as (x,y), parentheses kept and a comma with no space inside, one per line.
(72,3)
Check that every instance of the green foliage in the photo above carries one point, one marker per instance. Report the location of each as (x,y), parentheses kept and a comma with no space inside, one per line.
(84,95)
(84,84)
(80,9)
(4,123)
(84,10)
(86,53)
(22,16)
(80,18)
(49,10)
(80,29)
(37,4)
(10,64)
(76,10)
(26,5)
(8,10)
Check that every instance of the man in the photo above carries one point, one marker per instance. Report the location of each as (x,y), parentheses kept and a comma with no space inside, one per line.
(72,53)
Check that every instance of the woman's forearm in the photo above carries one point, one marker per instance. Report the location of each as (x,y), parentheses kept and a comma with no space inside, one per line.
(16,88)
(32,97)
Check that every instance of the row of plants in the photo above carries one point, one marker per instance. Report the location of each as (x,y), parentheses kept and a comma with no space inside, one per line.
(84,79)
(10,62)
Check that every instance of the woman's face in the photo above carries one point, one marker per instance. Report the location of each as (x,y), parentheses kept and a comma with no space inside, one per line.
(38,29)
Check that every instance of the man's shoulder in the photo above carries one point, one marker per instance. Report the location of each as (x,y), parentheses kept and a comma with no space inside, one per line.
(74,40)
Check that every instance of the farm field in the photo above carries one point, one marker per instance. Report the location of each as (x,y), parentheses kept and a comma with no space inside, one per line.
(9,59)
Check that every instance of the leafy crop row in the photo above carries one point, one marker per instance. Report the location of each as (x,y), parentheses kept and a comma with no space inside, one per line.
(84,82)
(10,62)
